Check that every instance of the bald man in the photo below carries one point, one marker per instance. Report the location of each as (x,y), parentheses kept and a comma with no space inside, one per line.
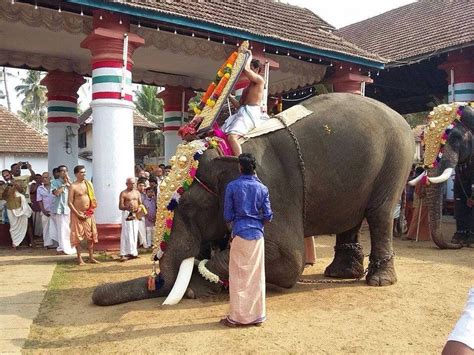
(129,203)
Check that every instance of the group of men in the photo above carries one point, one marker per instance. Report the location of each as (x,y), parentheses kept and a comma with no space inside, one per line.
(66,208)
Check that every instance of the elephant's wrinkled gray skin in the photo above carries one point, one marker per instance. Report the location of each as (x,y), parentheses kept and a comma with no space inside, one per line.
(357,154)
(458,150)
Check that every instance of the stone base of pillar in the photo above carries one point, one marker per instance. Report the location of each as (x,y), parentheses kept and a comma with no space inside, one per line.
(109,237)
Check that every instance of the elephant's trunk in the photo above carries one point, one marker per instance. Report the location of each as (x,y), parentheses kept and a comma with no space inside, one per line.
(435,201)
(121,292)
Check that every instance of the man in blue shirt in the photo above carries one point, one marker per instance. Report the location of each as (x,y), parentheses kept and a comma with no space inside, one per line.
(60,211)
(246,209)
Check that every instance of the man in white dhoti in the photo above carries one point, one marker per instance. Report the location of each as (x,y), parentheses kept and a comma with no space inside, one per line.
(130,204)
(249,114)
(45,199)
(247,209)
(18,210)
(60,212)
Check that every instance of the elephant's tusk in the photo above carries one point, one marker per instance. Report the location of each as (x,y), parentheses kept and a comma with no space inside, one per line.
(443,177)
(417,179)
(181,283)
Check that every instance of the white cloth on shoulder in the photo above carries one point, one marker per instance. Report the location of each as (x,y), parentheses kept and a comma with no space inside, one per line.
(18,219)
(128,236)
(244,120)
(463,332)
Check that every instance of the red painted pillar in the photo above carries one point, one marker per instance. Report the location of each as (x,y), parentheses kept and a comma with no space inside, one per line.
(112,110)
(460,69)
(348,81)
(175,112)
(62,117)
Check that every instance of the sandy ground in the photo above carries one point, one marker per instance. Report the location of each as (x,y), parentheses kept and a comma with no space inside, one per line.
(414,316)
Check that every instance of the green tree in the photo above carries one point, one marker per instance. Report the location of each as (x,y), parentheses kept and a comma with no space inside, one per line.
(148,104)
(34,98)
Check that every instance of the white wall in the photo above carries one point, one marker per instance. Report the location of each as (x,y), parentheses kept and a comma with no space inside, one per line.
(39,162)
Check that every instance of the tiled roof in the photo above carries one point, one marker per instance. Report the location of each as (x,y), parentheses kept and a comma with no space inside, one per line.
(268,18)
(416,29)
(138,119)
(17,136)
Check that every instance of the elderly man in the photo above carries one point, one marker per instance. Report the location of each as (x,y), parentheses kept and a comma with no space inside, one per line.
(61,212)
(82,202)
(246,209)
(45,199)
(130,203)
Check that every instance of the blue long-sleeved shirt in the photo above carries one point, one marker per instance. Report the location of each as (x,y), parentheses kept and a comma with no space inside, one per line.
(247,205)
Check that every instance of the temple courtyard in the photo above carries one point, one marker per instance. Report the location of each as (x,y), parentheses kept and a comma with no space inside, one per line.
(45,307)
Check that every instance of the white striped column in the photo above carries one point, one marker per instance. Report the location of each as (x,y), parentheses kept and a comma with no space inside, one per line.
(459,68)
(62,118)
(112,111)
(175,112)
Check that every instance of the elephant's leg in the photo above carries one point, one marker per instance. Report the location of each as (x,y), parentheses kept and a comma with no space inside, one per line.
(381,263)
(283,266)
(348,260)
(200,287)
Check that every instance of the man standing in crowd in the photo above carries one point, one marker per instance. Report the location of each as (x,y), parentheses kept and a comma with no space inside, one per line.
(82,203)
(150,204)
(36,217)
(246,210)
(60,211)
(129,203)
(141,186)
(24,182)
(45,200)
(18,210)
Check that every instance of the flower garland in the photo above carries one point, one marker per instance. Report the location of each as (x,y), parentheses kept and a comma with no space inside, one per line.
(184,167)
(441,122)
(210,276)
(215,88)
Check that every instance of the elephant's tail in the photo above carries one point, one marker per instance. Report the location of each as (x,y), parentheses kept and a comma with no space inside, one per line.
(121,292)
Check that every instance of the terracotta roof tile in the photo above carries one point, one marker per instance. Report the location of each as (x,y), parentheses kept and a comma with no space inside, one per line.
(416,29)
(17,136)
(267,18)
(138,119)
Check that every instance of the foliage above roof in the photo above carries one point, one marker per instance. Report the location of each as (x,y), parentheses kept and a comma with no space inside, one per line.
(423,28)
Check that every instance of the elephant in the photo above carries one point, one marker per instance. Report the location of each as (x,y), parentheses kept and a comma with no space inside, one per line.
(457,155)
(351,163)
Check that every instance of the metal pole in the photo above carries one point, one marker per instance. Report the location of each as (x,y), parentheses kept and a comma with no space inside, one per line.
(124,65)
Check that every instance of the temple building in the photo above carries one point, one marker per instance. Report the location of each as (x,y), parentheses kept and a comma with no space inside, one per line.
(175,45)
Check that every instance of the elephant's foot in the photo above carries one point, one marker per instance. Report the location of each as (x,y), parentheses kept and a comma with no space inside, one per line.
(200,288)
(381,271)
(348,262)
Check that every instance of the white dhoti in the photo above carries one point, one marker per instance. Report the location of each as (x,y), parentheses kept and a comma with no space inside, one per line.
(309,252)
(128,236)
(37,223)
(142,233)
(18,219)
(150,234)
(63,233)
(244,120)
(247,281)
(49,232)
(463,332)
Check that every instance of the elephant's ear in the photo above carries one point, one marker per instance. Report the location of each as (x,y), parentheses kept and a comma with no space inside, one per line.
(226,169)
